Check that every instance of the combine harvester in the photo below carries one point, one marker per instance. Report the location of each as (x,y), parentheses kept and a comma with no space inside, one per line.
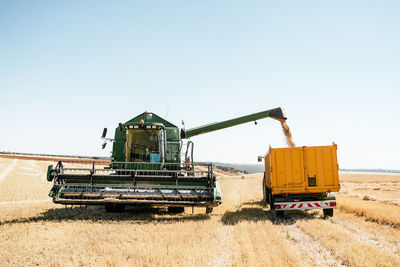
(146,168)
(301,178)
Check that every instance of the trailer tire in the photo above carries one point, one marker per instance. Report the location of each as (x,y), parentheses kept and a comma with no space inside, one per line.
(271,201)
(268,192)
(280,213)
(265,196)
(176,209)
(328,212)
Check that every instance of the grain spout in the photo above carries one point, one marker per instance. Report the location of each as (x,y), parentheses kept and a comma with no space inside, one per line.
(288,134)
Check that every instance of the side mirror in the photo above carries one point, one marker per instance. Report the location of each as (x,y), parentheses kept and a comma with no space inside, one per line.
(260,158)
(104,133)
(120,126)
(104,145)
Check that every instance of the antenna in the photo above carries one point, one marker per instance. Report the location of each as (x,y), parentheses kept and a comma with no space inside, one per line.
(166,116)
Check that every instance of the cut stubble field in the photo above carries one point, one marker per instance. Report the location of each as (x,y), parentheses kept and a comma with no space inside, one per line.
(365,229)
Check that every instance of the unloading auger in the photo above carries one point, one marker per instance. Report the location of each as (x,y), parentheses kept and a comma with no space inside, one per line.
(146,168)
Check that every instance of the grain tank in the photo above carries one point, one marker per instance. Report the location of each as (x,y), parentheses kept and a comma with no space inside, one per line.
(301,178)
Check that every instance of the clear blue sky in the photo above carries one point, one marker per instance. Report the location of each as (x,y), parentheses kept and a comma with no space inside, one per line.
(70,68)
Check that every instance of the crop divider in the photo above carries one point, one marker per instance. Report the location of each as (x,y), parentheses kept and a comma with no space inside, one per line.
(92,171)
(134,179)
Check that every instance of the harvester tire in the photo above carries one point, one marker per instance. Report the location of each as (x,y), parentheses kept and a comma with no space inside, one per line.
(114,207)
(209,210)
(109,208)
(176,209)
(328,212)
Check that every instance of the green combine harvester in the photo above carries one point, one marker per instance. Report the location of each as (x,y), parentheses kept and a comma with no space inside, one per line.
(146,168)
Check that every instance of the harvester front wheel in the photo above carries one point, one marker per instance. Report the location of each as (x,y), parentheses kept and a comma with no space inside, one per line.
(328,212)
(209,210)
(114,207)
(176,209)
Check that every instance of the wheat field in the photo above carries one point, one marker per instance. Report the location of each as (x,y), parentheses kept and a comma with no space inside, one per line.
(365,229)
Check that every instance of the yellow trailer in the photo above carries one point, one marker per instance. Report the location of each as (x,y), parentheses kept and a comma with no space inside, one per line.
(301,178)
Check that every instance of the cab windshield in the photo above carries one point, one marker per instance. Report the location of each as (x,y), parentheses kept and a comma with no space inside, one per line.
(143,145)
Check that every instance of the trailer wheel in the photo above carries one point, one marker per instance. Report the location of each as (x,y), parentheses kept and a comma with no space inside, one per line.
(265,197)
(176,209)
(328,212)
(267,193)
(209,210)
(271,201)
(280,213)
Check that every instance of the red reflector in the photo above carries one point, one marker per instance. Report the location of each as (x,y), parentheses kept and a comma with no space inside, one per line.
(277,207)
(332,204)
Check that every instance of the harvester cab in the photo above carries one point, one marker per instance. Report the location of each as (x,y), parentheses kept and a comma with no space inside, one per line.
(147,168)
(146,138)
